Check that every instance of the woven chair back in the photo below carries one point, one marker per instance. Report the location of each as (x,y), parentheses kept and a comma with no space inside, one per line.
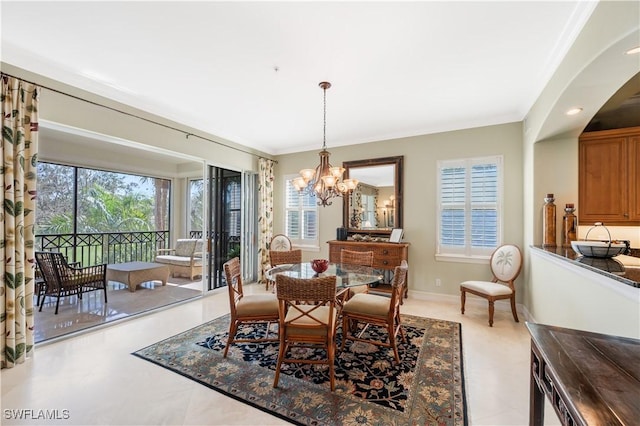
(398,283)
(285,257)
(362,258)
(233,274)
(311,290)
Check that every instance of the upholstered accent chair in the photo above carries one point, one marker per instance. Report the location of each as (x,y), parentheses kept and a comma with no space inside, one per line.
(364,310)
(307,319)
(280,242)
(246,309)
(505,264)
(184,259)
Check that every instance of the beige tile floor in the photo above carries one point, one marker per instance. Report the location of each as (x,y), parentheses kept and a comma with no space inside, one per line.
(90,311)
(93,379)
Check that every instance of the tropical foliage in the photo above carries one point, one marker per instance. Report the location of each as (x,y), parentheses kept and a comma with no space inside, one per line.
(107,201)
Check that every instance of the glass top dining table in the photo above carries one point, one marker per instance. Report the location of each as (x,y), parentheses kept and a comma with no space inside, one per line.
(347,275)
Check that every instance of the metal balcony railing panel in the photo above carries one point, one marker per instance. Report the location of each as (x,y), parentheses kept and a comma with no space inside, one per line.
(106,247)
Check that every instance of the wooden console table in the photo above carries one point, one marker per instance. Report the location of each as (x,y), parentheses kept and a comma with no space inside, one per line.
(386,256)
(589,378)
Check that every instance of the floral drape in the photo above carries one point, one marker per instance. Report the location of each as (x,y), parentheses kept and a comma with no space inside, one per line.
(17,218)
(265,214)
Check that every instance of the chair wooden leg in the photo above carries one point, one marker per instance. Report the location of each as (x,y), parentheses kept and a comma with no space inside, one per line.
(233,327)
(463,299)
(392,341)
(402,335)
(513,309)
(331,354)
(491,309)
(281,352)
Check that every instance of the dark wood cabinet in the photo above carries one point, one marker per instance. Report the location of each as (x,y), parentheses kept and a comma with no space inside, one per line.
(386,256)
(609,172)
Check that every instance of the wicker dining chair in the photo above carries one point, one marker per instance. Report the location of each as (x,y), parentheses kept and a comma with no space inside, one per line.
(61,279)
(278,257)
(307,319)
(359,258)
(365,309)
(245,309)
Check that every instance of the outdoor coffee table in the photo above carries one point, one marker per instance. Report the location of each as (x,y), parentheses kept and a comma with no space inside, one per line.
(134,273)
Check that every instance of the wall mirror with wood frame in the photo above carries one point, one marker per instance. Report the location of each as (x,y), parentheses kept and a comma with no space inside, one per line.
(375,206)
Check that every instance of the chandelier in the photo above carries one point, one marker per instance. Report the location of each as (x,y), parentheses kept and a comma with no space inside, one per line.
(325,181)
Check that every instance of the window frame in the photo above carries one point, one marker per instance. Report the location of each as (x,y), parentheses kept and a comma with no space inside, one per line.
(307,244)
(467,253)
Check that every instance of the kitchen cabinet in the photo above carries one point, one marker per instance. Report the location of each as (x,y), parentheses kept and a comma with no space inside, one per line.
(386,256)
(609,171)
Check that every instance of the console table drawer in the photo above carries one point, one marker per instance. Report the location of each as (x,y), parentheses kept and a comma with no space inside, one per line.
(386,257)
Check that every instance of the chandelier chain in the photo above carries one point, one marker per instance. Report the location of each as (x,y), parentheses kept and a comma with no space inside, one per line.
(324,123)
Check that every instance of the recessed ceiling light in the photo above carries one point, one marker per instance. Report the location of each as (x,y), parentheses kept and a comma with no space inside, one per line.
(574,111)
(634,50)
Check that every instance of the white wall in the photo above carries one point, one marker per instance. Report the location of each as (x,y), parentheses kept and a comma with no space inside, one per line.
(570,296)
(556,171)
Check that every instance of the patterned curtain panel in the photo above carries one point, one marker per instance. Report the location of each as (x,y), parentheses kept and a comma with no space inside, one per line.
(265,214)
(19,149)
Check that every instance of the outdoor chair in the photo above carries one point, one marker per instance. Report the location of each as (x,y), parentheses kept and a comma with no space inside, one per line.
(307,319)
(61,279)
(184,259)
(359,258)
(505,263)
(253,308)
(366,310)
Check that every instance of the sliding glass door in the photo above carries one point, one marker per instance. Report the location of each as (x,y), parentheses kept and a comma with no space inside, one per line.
(230,218)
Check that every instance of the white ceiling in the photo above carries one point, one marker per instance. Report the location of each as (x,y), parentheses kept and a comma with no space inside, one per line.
(249,71)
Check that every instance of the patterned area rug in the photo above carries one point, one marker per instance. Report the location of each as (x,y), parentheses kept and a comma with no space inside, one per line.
(426,388)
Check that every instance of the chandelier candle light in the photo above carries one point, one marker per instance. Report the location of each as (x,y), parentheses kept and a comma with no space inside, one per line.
(325,181)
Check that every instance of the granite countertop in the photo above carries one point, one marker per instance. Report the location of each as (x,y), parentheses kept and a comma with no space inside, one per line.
(623,268)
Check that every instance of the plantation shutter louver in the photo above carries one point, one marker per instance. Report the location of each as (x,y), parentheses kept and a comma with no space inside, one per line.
(301,222)
(469,206)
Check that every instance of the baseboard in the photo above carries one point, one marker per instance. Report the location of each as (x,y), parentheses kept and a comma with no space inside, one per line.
(500,305)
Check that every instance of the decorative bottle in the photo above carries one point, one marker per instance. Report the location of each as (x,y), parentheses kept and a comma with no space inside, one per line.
(569,225)
(549,222)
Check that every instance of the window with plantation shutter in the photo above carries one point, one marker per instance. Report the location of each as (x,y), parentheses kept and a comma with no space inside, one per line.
(469,208)
(301,218)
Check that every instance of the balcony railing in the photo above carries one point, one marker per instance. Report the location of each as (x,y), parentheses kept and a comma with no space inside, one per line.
(105,247)
(119,247)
